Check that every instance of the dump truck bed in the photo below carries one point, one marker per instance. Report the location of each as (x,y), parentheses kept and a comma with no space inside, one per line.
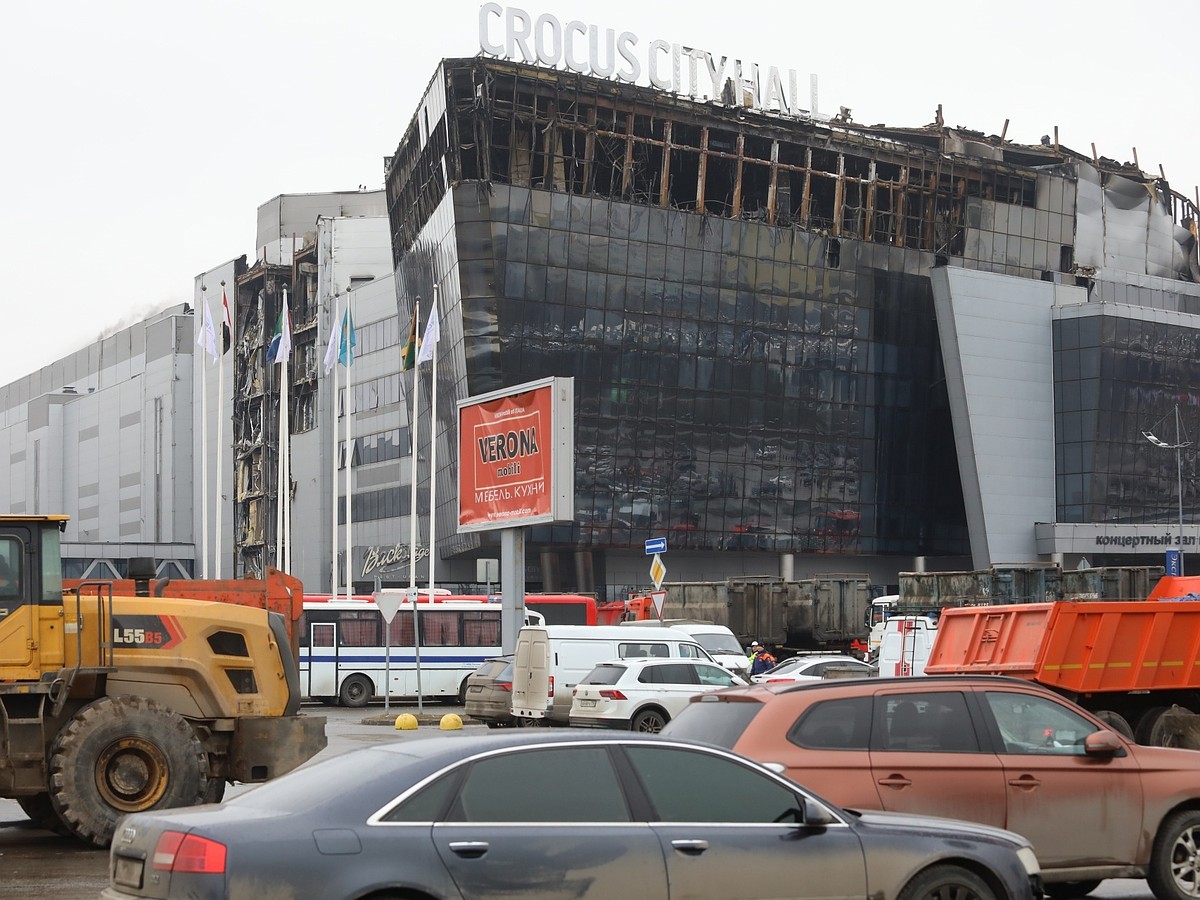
(1081,646)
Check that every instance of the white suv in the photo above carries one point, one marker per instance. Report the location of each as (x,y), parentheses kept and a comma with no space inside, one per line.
(643,694)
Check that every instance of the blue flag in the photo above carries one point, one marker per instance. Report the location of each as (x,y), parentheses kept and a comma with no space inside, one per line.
(348,340)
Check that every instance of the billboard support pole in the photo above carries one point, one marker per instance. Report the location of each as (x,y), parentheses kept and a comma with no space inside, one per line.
(512,586)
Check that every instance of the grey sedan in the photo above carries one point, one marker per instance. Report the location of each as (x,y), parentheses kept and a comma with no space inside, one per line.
(554,814)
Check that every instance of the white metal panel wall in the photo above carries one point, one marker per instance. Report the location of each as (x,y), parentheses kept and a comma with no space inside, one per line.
(997,347)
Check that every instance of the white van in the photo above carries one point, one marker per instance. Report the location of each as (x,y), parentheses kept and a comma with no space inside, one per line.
(721,643)
(551,659)
(906,643)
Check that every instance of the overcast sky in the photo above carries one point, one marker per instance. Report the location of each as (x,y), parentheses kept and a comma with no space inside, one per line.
(142,135)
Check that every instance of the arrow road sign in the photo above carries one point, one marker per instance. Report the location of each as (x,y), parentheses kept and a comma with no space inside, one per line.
(656,545)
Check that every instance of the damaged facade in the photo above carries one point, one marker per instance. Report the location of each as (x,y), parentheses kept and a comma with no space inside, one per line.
(766,356)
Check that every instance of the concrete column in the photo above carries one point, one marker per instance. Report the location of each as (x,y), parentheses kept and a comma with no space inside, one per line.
(512,582)
(787,566)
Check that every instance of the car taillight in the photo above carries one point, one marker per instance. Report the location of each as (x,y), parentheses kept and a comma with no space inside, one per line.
(551,692)
(504,685)
(179,852)
(613,695)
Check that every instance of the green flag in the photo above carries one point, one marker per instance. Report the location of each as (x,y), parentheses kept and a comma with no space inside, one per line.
(408,353)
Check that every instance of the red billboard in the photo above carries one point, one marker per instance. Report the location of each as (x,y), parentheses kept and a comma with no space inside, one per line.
(516,455)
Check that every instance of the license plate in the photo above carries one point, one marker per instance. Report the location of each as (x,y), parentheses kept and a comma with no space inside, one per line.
(128,872)
(587,703)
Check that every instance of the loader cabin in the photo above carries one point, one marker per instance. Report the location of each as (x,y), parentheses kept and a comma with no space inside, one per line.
(30,591)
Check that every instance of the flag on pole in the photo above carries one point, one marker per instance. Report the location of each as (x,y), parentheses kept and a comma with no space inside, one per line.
(433,331)
(408,353)
(226,324)
(281,344)
(207,336)
(331,352)
(349,340)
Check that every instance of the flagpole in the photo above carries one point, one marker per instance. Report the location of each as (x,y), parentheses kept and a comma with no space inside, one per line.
(281,475)
(345,337)
(218,567)
(433,430)
(333,481)
(412,514)
(203,437)
(287,458)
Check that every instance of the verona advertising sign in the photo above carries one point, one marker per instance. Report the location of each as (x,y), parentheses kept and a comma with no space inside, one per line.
(516,456)
(512,33)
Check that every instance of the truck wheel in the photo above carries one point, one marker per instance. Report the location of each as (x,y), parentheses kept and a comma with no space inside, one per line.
(356,691)
(1117,723)
(121,755)
(1174,873)
(41,810)
(1143,732)
(215,792)
(649,720)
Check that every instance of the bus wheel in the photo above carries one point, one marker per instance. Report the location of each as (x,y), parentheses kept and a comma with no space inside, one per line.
(356,691)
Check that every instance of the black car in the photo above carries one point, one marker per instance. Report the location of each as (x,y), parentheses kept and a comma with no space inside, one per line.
(554,814)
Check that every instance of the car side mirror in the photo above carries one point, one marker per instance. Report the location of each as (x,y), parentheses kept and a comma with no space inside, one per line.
(817,815)
(1103,743)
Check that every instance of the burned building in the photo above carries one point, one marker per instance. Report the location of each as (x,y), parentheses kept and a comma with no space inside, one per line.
(797,336)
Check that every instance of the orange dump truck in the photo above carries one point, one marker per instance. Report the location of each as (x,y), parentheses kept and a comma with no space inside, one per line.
(1128,661)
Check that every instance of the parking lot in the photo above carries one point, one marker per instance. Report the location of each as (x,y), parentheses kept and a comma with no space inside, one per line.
(38,865)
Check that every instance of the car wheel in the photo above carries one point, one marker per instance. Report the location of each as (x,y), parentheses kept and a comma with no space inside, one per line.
(651,721)
(529,722)
(1121,726)
(1070,890)
(1174,872)
(947,883)
(356,691)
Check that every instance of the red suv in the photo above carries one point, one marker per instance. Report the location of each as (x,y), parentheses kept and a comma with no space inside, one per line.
(995,750)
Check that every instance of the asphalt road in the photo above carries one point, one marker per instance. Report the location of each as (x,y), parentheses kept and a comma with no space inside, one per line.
(38,865)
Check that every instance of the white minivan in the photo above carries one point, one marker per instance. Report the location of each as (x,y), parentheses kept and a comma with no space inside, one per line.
(551,659)
(721,643)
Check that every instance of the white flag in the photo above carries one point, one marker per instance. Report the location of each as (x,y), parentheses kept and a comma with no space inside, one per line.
(433,331)
(331,352)
(207,336)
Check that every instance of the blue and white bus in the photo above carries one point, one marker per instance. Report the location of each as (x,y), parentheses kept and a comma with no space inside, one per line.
(343,658)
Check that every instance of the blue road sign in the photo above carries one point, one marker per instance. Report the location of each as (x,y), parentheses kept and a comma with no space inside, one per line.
(656,545)
(1173,567)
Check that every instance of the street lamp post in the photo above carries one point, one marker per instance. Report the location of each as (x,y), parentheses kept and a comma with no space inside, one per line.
(1177,447)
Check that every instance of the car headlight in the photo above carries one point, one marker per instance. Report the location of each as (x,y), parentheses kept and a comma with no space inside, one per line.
(1029,860)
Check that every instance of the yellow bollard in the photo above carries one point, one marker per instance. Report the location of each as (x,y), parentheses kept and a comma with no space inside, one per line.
(451,722)
(406,722)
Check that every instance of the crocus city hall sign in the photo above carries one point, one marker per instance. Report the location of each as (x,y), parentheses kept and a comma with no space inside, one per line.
(586,49)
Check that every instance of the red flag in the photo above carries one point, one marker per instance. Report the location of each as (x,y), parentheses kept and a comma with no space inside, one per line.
(226,324)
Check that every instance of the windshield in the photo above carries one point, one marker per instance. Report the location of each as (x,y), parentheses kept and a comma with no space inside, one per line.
(720,723)
(717,642)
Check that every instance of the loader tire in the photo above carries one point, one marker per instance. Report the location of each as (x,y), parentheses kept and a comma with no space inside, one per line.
(121,755)
(41,811)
